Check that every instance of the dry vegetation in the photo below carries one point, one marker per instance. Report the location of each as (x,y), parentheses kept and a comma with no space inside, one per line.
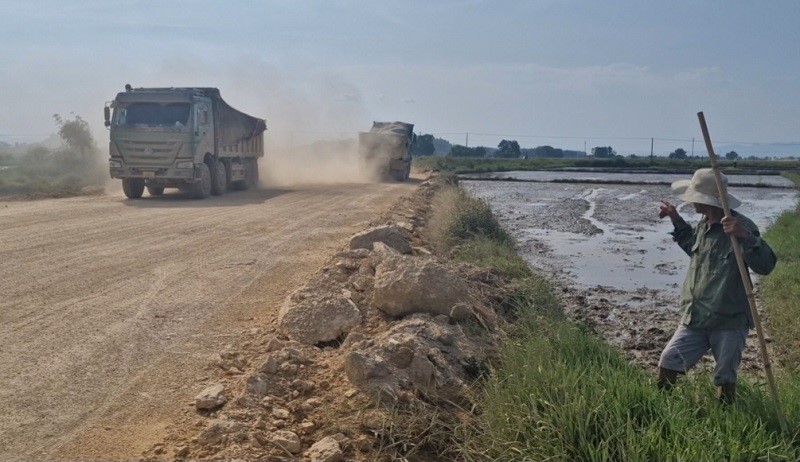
(74,168)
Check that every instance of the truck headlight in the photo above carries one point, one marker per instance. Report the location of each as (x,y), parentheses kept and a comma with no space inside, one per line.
(184,164)
(114,163)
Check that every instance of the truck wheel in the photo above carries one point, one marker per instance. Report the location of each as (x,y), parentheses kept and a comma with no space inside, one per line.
(218,178)
(202,188)
(155,190)
(133,187)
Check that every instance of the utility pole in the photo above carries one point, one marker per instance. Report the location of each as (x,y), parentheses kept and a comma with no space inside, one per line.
(651,151)
(692,146)
(467,145)
(584,148)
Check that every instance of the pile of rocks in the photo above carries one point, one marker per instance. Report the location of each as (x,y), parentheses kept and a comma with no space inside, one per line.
(383,321)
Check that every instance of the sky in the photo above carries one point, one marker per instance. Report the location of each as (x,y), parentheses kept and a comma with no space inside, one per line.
(568,73)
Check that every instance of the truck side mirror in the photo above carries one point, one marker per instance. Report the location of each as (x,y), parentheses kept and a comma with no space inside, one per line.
(107,115)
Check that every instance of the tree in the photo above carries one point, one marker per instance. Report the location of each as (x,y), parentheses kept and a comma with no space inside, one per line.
(603,151)
(545,151)
(732,155)
(463,151)
(508,148)
(78,153)
(441,146)
(76,135)
(678,154)
(424,146)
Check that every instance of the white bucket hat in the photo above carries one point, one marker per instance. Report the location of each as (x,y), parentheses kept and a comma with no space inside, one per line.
(702,189)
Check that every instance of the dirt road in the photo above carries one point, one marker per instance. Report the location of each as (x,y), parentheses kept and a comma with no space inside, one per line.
(113,312)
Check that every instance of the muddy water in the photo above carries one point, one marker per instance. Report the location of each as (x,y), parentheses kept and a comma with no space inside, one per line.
(604,246)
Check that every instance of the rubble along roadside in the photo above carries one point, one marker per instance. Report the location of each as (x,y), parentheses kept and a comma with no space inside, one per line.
(376,357)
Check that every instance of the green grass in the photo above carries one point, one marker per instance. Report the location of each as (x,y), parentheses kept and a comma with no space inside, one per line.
(562,394)
(781,289)
(565,395)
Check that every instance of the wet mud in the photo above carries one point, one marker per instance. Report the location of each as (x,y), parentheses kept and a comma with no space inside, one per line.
(613,260)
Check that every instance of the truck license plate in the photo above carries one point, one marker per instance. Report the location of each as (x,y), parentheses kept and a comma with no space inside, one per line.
(149,174)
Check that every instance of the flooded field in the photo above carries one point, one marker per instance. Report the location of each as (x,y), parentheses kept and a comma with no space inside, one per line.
(605,247)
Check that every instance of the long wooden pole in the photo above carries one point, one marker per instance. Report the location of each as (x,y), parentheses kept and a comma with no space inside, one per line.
(745,274)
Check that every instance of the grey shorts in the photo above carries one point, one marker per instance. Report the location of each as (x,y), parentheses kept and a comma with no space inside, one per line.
(688,345)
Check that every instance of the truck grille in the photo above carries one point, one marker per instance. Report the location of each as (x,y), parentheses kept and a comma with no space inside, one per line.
(149,153)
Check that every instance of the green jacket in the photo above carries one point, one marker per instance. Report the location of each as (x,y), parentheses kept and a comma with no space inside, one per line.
(713,295)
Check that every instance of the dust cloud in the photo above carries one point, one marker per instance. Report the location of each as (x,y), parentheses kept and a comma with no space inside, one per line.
(313,118)
(318,163)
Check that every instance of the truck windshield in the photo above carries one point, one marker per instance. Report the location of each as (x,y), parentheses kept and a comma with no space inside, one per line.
(174,115)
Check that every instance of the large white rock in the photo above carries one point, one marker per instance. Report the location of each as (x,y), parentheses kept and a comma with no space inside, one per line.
(405,285)
(312,317)
(325,450)
(211,398)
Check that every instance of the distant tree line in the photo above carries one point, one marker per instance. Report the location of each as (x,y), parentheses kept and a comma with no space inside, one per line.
(681,154)
(428,145)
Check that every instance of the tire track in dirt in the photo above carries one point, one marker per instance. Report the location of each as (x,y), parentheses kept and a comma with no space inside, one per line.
(112,310)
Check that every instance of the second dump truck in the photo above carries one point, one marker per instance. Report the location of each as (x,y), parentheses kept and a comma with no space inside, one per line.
(187,138)
(385,150)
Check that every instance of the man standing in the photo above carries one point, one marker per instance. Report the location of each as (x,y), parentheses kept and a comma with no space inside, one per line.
(716,314)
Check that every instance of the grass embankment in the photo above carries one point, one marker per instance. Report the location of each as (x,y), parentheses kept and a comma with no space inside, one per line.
(781,289)
(563,394)
(462,165)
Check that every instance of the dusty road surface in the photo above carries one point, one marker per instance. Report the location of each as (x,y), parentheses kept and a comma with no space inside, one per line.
(113,312)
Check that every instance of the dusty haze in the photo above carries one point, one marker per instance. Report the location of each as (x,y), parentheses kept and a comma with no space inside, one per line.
(319,163)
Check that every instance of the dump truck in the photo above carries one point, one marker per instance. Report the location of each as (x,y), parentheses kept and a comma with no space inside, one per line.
(187,138)
(385,150)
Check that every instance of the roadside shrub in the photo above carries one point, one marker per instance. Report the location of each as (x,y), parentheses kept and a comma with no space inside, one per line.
(64,171)
(474,219)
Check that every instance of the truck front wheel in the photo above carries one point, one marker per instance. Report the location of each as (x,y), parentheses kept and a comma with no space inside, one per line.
(133,187)
(202,188)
